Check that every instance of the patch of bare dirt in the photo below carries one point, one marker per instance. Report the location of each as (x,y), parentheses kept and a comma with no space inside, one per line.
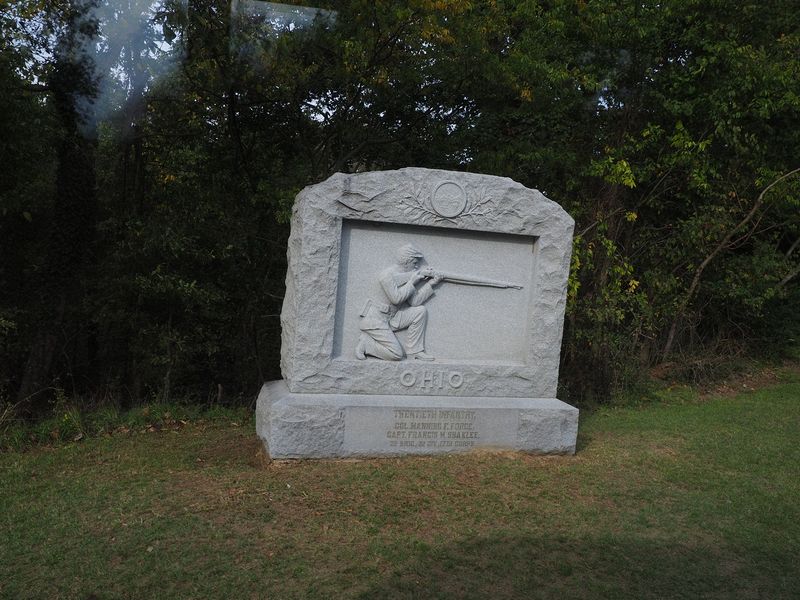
(233,447)
(748,381)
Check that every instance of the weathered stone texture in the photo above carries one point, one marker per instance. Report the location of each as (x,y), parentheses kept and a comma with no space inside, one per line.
(346,425)
(493,381)
(494,204)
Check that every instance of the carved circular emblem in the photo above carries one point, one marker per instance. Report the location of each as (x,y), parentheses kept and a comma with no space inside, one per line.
(449,199)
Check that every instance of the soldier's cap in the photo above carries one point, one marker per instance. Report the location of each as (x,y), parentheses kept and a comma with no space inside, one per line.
(408,252)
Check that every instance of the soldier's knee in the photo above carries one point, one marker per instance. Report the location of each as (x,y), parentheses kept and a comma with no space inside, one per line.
(419,312)
(395,352)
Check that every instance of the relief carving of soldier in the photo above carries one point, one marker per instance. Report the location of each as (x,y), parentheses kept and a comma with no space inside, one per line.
(401,308)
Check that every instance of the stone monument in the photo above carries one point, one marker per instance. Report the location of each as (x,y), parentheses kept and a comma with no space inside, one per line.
(423,314)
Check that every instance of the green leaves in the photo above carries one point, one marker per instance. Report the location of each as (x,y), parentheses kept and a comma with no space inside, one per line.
(615,171)
(655,125)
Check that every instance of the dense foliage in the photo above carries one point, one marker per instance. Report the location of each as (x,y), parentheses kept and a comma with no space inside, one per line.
(151,151)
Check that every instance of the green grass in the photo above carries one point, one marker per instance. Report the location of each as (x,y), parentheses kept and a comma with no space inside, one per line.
(67,423)
(679,499)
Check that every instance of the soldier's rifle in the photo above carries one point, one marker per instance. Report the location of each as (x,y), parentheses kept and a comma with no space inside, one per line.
(468,279)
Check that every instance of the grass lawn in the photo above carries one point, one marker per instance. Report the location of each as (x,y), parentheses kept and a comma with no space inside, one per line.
(679,499)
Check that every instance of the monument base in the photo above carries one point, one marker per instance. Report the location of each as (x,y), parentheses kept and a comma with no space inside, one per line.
(349,425)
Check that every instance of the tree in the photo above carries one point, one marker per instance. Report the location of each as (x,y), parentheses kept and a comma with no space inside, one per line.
(71,85)
(656,125)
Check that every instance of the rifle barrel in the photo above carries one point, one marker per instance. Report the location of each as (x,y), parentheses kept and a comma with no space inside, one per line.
(470,280)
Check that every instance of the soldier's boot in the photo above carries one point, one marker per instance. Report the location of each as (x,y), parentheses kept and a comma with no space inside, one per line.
(361,347)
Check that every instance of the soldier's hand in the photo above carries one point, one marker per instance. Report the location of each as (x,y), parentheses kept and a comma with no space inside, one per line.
(428,272)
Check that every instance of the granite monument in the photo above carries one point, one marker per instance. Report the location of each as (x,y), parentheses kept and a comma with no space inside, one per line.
(423,314)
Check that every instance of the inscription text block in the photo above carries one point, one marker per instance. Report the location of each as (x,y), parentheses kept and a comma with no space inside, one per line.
(393,430)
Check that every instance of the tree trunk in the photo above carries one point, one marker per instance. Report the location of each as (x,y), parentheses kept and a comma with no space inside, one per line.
(724,244)
(60,290)
(58,298)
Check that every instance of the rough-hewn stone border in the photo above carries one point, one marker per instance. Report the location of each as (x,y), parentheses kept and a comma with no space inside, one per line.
(494,204)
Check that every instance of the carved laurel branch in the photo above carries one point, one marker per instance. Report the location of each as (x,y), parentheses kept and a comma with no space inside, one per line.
(416,208)
(485,205)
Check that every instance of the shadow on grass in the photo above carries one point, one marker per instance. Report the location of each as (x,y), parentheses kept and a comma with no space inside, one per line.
(584,441)
(613,567)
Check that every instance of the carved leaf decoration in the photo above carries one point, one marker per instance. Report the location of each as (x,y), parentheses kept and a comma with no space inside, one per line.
(484,206)
(416,209)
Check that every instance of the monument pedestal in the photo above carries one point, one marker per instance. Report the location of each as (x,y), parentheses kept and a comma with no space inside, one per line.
(295,425)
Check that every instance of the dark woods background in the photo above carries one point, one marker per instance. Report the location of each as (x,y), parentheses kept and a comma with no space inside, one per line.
(150,152)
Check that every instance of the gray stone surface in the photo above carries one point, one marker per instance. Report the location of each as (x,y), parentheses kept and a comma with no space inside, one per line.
(487,342)
(346,425)
(423,314)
